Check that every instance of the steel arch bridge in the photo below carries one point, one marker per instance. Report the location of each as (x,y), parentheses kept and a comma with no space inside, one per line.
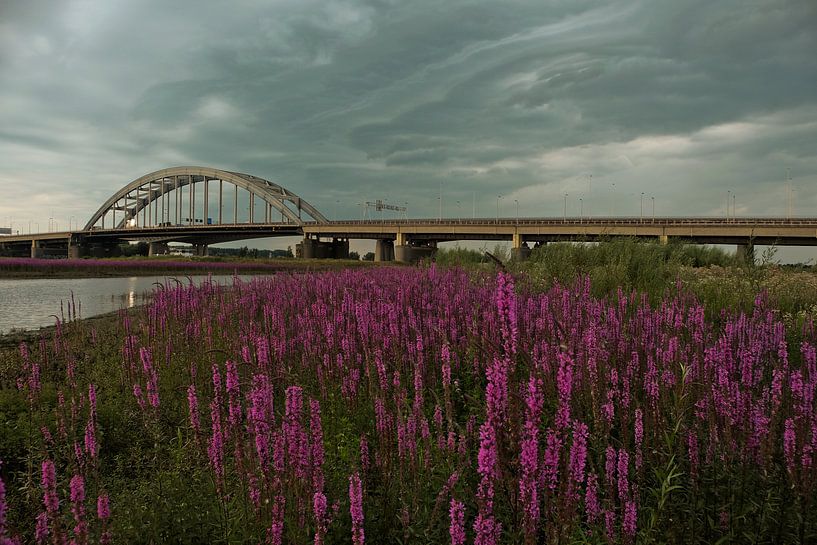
(147,201)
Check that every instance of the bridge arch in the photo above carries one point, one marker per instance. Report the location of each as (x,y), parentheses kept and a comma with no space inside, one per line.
(145,194)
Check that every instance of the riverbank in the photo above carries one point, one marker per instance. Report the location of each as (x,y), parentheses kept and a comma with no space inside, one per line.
(21,268)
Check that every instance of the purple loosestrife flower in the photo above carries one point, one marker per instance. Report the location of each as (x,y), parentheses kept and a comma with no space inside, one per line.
(233,395)
(3,509)
(789,444)
(356,508)
(591,498)
(317,444)
(151,377)
(578,458)
(628,525)
(623,475)
(41,528)
(564,383)
(319,507)
(550,466)
(78,509)
(456,528)
(103,513)
(49,485)
(486,528)
(529,458)
(638,429)
(193,409)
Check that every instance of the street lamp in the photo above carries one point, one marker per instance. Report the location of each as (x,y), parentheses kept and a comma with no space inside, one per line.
(728,195)
(653,209)
(497,207)
(517,209)
(613,200)
(641,220)
(581,209)
(564,212)
(50,220)
(733,207)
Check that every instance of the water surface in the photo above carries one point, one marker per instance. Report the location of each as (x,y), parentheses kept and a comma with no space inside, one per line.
(30,303)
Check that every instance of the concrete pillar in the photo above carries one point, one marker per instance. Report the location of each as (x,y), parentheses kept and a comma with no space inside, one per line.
(340,248)
(37,251)
(158,248)
(384,250)
(200,250)
(306,248)
(746,252)
(517,240)
(521,253)
(663,240)
(401,240)
(77,251)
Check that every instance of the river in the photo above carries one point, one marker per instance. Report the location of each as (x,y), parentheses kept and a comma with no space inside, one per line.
(30,303)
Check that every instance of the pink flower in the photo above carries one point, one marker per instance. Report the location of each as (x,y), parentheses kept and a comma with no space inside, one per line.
(41,528)
(628,525)
(193,409)
(789,444)
(78,509)
(591,498)
(456,529)
(356,508)
(49,485)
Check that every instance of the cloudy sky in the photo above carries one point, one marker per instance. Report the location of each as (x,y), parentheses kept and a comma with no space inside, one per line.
(345,101)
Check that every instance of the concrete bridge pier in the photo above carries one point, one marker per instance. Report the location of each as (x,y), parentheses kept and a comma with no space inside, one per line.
(746,252)
(519,250)
(37,250)
(77,251)
(340,248)
(160,248)
(315,248)
(200,250)
(384,250)
(413,253)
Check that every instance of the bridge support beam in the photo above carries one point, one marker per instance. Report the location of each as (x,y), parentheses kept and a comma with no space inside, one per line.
(663,240)
(413,252)
(201,250)
(77,251)
(314,248)
(746,253)
(519,250)
(158,248)
(37,250)
(521,253)
(384,250)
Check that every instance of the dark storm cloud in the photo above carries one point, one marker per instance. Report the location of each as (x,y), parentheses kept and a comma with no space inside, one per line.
(344,101)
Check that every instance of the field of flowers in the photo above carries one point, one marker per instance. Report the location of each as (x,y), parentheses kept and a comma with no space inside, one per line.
(412,405)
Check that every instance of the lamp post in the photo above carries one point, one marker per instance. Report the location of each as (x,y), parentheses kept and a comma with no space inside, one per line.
(497,207)
(613,201)
(728,195)
(641,219)
(653,209)
(581,209)
(564,212)
(441,200)
(517,209)
(788,192)
(733,207)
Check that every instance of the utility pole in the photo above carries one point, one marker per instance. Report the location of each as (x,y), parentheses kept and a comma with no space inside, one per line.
(564,210)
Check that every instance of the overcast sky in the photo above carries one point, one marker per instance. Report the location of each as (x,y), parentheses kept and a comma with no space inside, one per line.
(344,101)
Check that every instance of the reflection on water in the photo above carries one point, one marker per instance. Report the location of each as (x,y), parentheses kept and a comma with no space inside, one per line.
(32,303)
